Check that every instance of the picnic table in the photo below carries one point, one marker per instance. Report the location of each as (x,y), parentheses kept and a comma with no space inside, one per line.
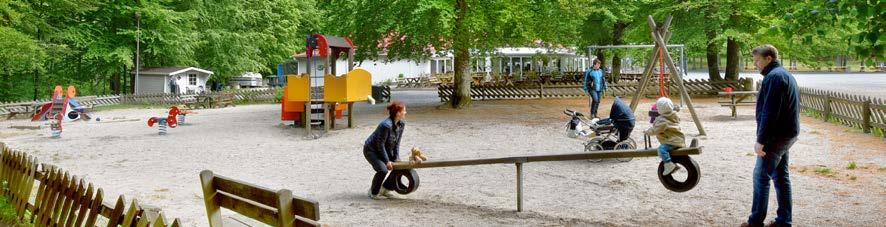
(736,98)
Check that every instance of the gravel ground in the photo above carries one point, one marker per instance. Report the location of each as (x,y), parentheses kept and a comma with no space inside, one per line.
(250,143)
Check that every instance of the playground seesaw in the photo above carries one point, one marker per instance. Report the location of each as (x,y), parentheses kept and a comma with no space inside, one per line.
(407,178)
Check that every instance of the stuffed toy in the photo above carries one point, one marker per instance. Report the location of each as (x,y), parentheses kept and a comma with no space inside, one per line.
(416,156)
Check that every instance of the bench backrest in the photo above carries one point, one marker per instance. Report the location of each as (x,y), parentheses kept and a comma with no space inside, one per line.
(278,208)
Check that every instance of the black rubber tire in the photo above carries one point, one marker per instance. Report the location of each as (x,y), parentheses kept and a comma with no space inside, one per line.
(691,168)
(409,174)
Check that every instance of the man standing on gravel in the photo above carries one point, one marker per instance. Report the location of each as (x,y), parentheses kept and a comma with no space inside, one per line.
(778,124)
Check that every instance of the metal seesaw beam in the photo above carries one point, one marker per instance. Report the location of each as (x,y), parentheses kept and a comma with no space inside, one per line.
(692,150)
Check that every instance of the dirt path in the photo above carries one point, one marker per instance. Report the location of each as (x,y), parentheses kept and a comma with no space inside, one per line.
(248,143)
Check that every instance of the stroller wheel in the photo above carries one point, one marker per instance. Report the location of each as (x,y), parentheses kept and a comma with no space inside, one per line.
(594,146)
(625,145)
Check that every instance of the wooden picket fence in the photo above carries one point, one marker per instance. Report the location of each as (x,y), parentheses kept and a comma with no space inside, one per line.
(575,89)
(239,96)
(30,106)
(853,110)
(63,199)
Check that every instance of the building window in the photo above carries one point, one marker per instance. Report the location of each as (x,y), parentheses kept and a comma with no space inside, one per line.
(192,79)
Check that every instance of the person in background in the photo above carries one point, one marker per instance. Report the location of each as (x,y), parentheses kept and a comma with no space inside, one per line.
(594,85)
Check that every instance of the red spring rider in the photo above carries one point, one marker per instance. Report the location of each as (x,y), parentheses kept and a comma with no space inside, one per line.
(168,120)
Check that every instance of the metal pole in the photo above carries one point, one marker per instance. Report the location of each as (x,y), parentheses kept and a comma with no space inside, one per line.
(519,187)
(684,71)
(137,50)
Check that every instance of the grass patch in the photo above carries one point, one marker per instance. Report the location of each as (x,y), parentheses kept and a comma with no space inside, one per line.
(811,113)
(852,165)
(8,216)
(825,171)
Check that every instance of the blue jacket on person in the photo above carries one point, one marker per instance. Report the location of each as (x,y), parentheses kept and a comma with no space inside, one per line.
(385,140)
(778,105)
(596,76)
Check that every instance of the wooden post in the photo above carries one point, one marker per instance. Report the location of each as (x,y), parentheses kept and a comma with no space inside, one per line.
(285,212)
(541,90)
(519,187)
(332,115)
(213,210)
(350,114)
(326,121)
(827,106)
(659,40)
(866,116)
(647,72)
(734,115)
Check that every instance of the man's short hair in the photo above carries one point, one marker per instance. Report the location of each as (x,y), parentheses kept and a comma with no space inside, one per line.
(766,50)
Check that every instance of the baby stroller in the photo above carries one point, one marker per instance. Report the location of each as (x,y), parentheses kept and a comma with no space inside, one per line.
(598,134)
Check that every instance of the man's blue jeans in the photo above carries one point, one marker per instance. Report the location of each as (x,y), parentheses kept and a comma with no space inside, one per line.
(773,166)
(594,102)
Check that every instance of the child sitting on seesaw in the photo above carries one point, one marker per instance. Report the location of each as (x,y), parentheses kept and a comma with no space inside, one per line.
(666,128)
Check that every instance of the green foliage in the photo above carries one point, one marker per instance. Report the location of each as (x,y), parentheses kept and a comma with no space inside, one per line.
(851,165)
(91,44)
(8,216)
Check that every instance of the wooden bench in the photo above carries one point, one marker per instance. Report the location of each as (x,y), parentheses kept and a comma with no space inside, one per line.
(735,99)
(274,208)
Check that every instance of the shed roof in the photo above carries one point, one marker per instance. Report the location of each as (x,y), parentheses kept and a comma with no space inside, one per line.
(170,70)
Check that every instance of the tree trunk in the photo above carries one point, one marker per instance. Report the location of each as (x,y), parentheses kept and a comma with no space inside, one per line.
(131,79)
(713,49)
(36,83)
(125,81)
(617,37)
(733,56)
(601,56)
(462,95)
(115,83)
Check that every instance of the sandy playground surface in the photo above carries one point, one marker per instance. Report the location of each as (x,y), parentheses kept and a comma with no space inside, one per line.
(248,143)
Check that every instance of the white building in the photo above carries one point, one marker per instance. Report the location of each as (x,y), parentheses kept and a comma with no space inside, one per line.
(171,79)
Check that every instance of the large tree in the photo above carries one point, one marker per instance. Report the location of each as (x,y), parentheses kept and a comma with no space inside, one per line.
(422,28)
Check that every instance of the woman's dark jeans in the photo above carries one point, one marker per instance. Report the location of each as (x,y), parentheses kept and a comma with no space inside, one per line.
(381,170)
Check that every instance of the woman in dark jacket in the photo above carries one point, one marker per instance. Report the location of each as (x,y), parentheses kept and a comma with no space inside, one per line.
(382,148)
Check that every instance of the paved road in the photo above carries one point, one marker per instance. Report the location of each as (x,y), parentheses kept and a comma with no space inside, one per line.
(867,84)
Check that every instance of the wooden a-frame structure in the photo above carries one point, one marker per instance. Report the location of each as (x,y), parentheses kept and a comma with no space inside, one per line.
(661,35)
